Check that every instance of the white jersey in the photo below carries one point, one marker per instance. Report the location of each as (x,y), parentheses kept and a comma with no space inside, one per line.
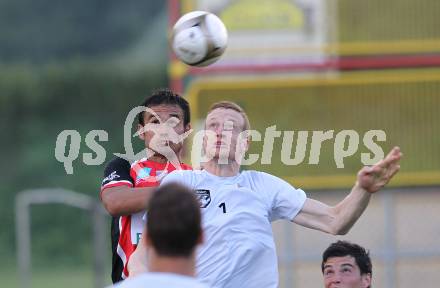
(239,249)
(160,280)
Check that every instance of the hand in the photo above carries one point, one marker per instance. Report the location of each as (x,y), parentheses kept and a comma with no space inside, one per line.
(373,178)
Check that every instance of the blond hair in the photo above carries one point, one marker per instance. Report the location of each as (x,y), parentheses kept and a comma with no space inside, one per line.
(232,106)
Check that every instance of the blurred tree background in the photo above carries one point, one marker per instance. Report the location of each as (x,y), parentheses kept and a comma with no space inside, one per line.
(82,65)
(78,65)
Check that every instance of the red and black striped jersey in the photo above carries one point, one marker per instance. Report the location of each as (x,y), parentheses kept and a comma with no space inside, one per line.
(127,230)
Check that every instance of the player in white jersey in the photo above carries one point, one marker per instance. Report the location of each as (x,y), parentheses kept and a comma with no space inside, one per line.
(237,213)
(238,207)
(174,231)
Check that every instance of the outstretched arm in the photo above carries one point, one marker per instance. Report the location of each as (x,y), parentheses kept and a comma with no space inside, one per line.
(338,219)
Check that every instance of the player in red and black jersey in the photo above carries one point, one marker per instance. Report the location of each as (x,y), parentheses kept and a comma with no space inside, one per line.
(127,187)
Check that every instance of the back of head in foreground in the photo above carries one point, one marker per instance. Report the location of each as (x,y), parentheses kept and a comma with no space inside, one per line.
(346,265)
(174,222)
(173,232)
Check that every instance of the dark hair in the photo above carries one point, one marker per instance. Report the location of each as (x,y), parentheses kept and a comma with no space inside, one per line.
(167,97)
(345,248)
(174,221)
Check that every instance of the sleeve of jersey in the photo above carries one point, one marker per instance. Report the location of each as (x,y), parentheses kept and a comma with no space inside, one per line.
(182,177)
(285,200)
(117,173)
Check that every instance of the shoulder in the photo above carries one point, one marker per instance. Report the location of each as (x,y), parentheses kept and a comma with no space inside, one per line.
(137,281)
(117,169)
(118,162)
(268,183)
(160,280)
(186,177)
(181,173)
(259,177)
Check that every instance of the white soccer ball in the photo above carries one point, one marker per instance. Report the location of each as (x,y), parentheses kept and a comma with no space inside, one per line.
(199,38)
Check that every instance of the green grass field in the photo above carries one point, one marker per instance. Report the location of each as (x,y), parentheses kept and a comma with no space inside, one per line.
(53,277)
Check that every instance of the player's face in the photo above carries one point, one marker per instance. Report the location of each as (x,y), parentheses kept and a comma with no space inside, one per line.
(162,126)
(224,135)
(343,272)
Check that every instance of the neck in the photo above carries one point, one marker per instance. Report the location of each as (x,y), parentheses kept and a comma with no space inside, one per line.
(222,170)
(176,265)
(159,158)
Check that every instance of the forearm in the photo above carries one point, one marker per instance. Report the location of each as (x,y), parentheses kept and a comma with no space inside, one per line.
(120,201)
(338,220)
(348,211)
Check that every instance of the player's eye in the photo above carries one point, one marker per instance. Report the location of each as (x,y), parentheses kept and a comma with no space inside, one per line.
(328,272)
(346,270)
(173,121)
(154,121)
(212,125)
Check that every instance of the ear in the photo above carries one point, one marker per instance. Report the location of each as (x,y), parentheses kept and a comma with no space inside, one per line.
(146,239)
(248,143)
(245,144)
(141,133)
(188,127)
(366,280)
(201,238)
